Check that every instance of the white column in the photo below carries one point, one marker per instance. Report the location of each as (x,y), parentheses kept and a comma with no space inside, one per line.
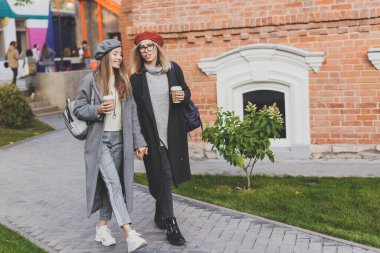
(9,31)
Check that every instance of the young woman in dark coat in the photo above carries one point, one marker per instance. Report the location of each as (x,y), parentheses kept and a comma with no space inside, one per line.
(162,125)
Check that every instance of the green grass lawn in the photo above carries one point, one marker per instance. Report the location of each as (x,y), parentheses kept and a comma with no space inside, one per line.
(12,242)
(10,136)
(347,208)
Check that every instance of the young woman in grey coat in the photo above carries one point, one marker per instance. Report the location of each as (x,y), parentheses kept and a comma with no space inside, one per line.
(113,136)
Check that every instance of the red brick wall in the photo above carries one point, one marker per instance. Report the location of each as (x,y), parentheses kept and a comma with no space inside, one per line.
(344,95)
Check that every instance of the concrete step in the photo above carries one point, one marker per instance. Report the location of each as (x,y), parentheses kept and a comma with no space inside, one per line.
(45,109)
(42,107)
(37,98)
(49,113)
(39,104)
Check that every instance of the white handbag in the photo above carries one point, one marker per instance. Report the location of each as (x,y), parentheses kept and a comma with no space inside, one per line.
(26,67)
(78,128)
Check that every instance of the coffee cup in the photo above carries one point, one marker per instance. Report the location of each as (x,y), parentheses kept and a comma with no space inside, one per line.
(173,91)
(109,99)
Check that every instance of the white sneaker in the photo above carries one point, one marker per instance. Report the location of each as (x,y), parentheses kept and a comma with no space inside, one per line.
(103,235)
(134,241)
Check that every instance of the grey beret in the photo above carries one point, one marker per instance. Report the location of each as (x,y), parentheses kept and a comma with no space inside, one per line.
(105,46)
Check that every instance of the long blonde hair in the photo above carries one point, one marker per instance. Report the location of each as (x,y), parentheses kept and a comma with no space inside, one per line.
(102,75)
(137,62)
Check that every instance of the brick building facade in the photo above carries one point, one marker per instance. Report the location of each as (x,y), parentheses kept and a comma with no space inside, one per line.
(319,57)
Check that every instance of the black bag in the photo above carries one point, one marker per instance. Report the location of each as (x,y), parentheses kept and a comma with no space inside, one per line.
(6,64)
(191,113)
(192,117)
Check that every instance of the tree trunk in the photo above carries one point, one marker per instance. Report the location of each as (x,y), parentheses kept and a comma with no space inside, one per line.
(249,186)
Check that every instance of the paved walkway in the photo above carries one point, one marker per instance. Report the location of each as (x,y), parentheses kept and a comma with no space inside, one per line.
(42,195)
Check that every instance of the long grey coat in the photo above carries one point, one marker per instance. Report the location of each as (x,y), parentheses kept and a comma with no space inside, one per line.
(132,139)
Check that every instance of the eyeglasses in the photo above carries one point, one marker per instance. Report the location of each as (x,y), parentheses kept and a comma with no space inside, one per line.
(148,48)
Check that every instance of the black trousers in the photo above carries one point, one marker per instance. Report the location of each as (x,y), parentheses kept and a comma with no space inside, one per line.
(14,70)
(31,90)
(164,205)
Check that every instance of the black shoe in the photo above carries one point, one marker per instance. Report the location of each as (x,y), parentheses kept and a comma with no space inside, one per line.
(173,234)
(159,220)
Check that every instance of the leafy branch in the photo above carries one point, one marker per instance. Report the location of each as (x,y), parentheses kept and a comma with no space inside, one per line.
(242,142)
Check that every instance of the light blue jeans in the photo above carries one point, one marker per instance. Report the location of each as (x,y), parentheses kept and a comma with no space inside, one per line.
(48,68)
(111,166)
(87,63)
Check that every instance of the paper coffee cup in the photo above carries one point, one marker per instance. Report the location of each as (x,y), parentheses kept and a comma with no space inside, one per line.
(173,90)
(109,98)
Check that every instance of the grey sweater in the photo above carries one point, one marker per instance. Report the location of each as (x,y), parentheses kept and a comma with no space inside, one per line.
(159,95)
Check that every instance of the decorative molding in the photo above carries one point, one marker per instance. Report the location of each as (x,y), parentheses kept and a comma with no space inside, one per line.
(313,60)
(374,57)
(268,67)
(166,26)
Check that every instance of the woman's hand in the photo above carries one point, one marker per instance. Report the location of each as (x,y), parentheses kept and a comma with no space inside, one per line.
(180,95)
(141,152)
(105,107)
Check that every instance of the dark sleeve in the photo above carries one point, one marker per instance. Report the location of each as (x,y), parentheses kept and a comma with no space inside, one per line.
(138,138)
(134,79)
(135,89)
(182,82)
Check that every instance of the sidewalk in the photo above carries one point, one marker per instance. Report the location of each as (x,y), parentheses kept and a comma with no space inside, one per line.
(43,196)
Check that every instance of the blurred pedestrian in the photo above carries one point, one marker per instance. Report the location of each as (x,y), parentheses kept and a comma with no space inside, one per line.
(80,51)
(66,52)
(86,54)
(30,65)
(12,57)
(48,55)
(36,53)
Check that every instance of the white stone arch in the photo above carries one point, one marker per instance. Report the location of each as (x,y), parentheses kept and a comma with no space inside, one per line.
(269,67)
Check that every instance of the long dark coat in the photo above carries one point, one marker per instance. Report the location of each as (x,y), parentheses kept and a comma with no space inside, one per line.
(132,139)
(178,153)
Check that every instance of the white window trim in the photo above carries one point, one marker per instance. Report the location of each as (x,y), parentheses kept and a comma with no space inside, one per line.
(238,100)
(374,57)
(268,66)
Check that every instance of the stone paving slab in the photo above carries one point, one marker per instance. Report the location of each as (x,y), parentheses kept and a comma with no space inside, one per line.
(42,195)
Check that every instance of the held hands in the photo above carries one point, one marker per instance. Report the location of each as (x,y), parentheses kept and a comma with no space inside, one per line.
(141,152)
(105,107)
(179,95)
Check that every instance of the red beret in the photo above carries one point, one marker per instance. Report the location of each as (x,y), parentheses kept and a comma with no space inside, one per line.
(153,36)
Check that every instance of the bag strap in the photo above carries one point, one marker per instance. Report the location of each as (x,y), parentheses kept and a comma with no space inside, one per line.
(92,102)
(190,100)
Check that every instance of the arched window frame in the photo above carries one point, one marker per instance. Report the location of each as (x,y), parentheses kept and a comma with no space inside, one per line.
(263,66)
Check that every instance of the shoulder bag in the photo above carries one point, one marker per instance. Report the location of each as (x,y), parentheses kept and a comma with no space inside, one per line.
(192,117)
(78,128)
(191,113)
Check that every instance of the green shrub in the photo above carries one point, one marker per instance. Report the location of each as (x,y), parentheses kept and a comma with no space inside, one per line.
(242,142)
(14,108)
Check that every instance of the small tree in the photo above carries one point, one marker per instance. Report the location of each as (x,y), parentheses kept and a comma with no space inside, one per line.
(243,142)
